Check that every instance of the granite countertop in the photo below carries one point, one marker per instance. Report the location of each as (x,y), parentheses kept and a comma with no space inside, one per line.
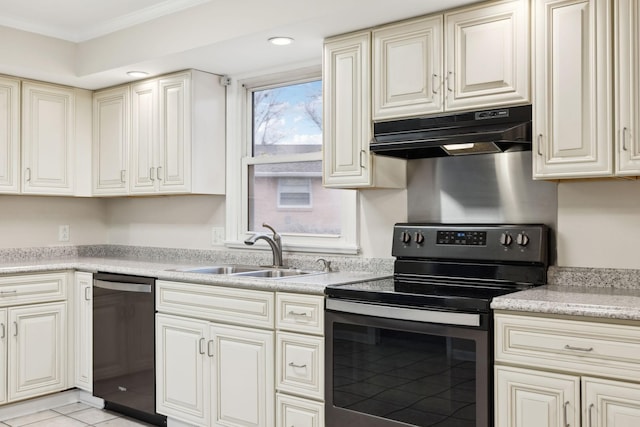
(590,301)
(307,284)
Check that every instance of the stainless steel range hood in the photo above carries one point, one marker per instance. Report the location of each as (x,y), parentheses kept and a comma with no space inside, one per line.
(475,132)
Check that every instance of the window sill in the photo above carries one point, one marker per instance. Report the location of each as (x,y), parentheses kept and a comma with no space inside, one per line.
(323,249)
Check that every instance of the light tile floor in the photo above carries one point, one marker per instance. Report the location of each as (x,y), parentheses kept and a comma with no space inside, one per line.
(73,415)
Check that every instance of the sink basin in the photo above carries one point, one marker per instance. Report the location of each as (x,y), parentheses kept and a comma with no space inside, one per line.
(221,269)
(275,273)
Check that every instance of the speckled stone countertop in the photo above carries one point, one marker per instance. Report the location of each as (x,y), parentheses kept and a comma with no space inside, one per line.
(156,265)
(599,293)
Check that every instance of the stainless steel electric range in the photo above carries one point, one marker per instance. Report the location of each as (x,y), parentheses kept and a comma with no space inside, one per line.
(417,350)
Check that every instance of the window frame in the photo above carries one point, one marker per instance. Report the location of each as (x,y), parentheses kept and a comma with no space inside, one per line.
(239,159)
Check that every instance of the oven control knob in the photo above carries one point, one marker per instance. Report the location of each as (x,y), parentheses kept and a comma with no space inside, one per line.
(405,237)
(506,239)
(419,238)
(522,239)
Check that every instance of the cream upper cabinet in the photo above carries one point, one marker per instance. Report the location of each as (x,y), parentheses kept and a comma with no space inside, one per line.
(347,130)
(9,135)
(111,134)
(627,87)
(487,55)
(177,135)
(48,139)
(572,104)
(408,68)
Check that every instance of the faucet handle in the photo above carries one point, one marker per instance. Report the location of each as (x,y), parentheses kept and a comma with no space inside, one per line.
(326,265)
(273,230)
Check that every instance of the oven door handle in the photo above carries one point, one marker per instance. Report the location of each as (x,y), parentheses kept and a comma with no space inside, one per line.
(402,313)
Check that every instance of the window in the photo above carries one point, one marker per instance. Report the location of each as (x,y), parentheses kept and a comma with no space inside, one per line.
(281,168)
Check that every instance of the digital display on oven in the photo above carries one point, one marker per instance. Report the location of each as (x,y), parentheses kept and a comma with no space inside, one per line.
(463,238)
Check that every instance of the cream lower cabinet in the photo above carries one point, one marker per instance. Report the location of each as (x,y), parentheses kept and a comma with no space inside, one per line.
(83,331)
(299,360)
(566,371)
(210,371)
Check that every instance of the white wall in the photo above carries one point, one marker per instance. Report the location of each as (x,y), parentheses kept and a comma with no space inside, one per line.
(31,221)
(599,224)
(166,221)
(379,210)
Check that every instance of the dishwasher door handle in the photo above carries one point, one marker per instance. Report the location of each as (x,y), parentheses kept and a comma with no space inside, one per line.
(124,287)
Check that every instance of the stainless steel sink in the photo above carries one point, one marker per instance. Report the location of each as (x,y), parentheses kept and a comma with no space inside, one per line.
(221,269)
(276,273)
(247,271)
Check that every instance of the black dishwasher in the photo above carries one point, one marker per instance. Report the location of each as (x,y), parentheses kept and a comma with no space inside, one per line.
(124,345)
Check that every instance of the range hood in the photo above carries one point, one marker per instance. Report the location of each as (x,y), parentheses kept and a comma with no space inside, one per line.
(475,132)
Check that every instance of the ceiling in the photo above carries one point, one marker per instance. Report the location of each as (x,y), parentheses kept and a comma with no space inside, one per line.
(92,43)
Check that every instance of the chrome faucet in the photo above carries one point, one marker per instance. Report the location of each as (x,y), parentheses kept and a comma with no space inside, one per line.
(275,242)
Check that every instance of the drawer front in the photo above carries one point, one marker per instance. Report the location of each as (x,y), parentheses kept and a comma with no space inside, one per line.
(300,364)
(300,313)
(571,345)
(293,411)
(215,303)
(33,288)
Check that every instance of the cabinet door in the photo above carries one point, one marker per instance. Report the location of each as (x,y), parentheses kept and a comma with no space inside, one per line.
(37,350)
(529,398)
(4,339)
(83,329)
(627,87)
(243,376)
(487,55)
(144,137)
(347,120)
(572,111)
(610,403)
(407,68)
(182,369)
(48,129)
(9,135)
(111,118)
(174,138)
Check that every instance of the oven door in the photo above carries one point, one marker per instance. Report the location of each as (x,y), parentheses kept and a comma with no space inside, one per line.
(383,371)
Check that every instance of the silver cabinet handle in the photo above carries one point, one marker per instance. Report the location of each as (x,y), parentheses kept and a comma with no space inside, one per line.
(539,144)
(158,174)
(3,331)
(362,154)
(123,176)
(564,414)
(15,325)
(449,77)
(293,365)
(590,416)
(7,293)
(569,347)
(27,174)
(210,348)
(434,83)
(201,345)
(87,297)
(296,313)
(624,139)
(152,173)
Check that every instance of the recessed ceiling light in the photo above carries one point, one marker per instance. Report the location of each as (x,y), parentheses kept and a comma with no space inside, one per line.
(137,73)
(281,41)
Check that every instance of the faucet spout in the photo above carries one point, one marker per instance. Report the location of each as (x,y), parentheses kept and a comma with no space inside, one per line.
(275,242)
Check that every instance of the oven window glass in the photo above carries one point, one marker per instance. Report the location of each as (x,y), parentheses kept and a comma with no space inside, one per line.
(424,380)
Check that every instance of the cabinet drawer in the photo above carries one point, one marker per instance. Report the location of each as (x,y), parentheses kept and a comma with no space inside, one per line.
(584,347)
(33,288)
(300,313)
(293,411)
(215,303)
(300,364)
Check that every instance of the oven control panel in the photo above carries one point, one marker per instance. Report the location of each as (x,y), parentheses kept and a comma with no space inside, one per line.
(518,243)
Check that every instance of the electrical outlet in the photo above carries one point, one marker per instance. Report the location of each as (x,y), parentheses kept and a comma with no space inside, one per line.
(63,233)
(217,235)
